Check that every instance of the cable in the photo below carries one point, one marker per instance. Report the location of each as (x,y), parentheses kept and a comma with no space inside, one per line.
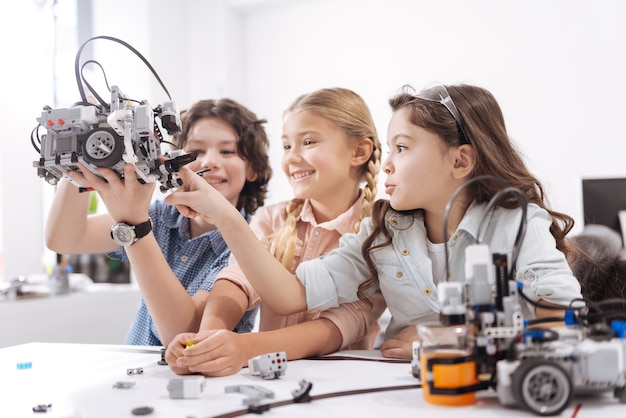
(613,314)
(521,232)
(446,213)
(259,409)
(173,145)
(589,304)
(34,132)
(78,69)
(546,306)
(616,301)
(91,89)
(541,334)
(536,321)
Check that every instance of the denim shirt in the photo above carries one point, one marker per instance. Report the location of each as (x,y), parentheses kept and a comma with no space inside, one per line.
(405,270)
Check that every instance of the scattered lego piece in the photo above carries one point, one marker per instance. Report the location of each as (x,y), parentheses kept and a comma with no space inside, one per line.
(255,393)
(162,362)
(186,387)
(123,385)
(135,370)
(258,409)
(269,366)
(42,408)
(25,365)
(415,359)
(301,394)
(142,410)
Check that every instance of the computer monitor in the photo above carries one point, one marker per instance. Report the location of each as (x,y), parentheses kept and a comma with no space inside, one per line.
(603,199)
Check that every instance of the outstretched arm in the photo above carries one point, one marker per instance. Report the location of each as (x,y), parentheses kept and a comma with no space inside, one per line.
(278,288)
(168,302)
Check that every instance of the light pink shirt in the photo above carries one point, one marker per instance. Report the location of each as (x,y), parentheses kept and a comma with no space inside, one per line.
(357,323)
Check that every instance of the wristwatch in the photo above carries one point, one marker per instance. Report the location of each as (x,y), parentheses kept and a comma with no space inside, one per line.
(126,235)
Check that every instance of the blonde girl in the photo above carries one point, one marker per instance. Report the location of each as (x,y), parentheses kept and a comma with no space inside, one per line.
(331,155)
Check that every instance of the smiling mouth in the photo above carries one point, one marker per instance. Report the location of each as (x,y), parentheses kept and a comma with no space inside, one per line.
(214,181)
(302,174)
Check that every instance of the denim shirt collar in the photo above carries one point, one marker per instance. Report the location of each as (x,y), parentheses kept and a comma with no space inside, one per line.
(401,221)
(469,224)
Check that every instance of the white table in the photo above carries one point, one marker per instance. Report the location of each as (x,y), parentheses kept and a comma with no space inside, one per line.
(77,380)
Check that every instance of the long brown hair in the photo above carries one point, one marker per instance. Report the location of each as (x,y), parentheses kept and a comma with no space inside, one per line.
(496,156)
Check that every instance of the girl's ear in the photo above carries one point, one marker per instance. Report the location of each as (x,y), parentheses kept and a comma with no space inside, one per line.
(464,161)
(362,151)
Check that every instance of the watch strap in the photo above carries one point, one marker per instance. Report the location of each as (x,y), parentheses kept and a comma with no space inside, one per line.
(143,229)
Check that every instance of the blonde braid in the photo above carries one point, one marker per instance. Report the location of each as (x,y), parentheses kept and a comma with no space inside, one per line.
(371,185)
(283,240)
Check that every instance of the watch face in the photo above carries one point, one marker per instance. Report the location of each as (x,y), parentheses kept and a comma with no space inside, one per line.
(123,234)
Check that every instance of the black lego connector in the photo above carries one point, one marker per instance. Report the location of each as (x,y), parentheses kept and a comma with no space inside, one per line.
(258,409)
(174,164)
(500,262)
(302,394)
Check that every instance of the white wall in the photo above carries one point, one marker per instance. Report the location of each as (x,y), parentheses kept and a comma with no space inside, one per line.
(556,67)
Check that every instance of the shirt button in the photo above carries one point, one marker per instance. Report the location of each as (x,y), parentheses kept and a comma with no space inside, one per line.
(316,233)
(455,237)
(184,258)
(399,274)
(530,275)
(405,252)
(428,291)
(394,222)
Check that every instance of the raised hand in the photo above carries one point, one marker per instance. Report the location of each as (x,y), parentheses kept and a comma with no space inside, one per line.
(126,199)
(196,197)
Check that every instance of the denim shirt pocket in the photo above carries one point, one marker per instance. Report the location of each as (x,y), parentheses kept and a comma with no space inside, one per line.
(392,271)
(405,296)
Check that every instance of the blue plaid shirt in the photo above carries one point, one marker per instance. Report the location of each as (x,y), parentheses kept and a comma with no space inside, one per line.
(195,262)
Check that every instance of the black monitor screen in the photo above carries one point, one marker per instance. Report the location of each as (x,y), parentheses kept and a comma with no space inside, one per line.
(602,200)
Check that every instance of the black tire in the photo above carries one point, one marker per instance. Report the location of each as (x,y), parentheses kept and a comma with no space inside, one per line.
(542,386)
(103,147)
(620,394)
